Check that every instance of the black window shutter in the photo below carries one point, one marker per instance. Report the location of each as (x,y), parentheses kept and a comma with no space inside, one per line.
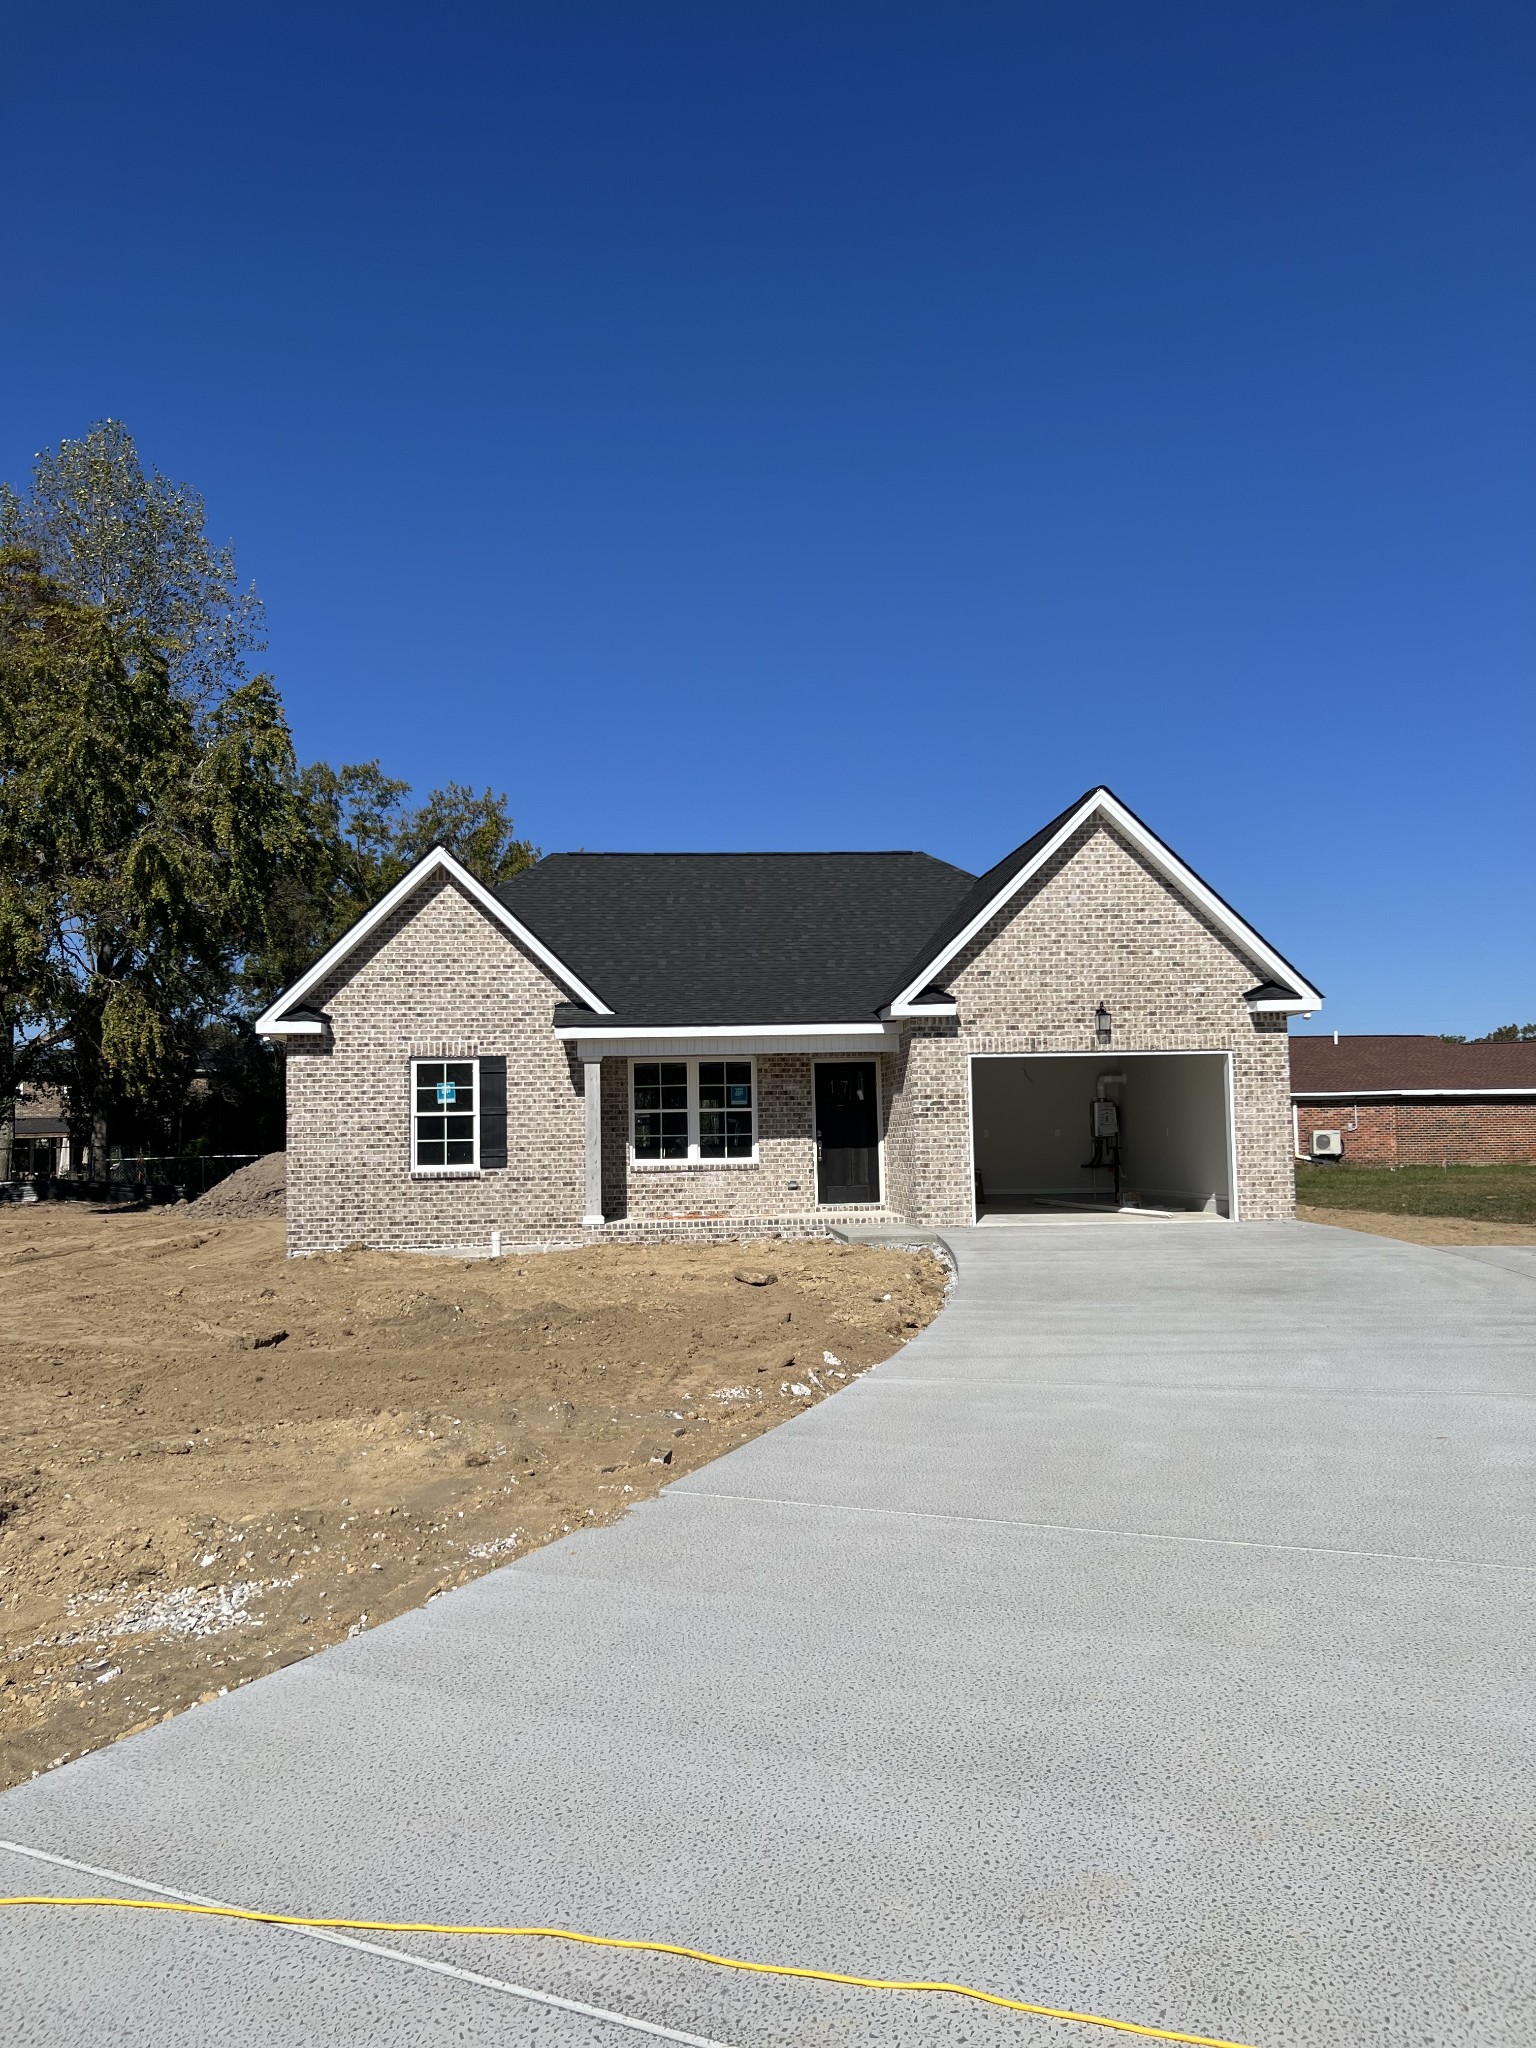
(493,1111)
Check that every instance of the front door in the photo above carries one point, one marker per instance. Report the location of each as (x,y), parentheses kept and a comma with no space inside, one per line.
(847,1132)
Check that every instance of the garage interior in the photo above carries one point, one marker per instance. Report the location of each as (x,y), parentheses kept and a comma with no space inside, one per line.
(1102,1132)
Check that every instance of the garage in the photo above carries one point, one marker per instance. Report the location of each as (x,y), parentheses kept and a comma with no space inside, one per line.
(1102,1132)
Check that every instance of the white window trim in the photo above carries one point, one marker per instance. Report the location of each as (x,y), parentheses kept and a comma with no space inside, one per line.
(419,1172)
(694,1161)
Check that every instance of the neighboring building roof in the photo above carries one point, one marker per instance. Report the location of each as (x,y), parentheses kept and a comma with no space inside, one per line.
(736,938)
(40,1112)
(1408,1065)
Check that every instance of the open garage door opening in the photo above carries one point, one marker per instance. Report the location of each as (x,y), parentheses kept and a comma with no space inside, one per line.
(1102,1131)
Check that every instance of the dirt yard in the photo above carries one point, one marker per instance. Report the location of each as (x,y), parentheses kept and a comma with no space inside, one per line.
(214,1460)
(1420,1229)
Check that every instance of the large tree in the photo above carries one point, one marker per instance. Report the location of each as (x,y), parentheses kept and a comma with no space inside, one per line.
(133,545)
(142,837)
(165,866)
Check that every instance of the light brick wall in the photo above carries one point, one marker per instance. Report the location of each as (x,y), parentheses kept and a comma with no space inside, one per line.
(1097,924)
(436,980)
(1426,1133)
(439,979)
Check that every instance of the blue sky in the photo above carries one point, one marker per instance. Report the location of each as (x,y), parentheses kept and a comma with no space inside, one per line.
(852,425)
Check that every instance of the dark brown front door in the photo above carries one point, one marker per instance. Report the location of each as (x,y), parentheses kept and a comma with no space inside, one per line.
(847,1132)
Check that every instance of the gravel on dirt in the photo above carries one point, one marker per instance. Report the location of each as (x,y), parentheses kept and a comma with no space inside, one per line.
(215,1459)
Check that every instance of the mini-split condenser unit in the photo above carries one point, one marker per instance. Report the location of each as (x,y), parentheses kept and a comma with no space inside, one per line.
(1327,1144)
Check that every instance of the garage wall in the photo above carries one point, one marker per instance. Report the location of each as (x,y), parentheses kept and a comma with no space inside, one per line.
(1176,1132)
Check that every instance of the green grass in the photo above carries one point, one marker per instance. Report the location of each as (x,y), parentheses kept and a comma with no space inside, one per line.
(1492,1194)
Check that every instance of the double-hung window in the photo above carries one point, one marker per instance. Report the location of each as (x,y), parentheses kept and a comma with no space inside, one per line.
(445,1115)
(694,1109)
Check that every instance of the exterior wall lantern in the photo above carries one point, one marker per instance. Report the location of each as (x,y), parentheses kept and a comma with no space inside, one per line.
(1102,1025)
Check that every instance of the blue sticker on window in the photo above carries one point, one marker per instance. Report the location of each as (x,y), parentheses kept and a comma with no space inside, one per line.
(447,1091)
(739,1095)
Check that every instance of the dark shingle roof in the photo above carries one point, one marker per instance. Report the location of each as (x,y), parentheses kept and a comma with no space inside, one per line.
(736,938)
(1380,1065)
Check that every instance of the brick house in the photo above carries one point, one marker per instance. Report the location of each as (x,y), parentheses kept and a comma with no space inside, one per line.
(40,1146)
(646,1046)
(1412,1101)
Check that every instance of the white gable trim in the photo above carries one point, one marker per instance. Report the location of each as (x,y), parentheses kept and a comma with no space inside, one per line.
(274,1023)
(1167,863)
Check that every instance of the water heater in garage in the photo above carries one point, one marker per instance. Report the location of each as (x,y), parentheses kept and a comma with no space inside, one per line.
(1104,1129)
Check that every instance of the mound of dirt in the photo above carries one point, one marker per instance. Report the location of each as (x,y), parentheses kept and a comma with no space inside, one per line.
(259,1189)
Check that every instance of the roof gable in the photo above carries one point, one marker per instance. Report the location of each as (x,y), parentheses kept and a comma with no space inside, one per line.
(286,1018)
(996,889)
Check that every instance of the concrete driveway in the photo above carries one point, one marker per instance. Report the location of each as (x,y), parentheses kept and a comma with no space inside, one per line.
(1152,1636)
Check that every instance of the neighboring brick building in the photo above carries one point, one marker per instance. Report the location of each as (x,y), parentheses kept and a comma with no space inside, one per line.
(1415,1101)
(40,1135)
(704,1045)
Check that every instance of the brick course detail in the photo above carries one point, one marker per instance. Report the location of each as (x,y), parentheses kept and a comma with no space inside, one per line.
(1426,1133)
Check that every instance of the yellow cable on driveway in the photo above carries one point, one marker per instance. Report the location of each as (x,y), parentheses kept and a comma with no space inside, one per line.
(660,1948)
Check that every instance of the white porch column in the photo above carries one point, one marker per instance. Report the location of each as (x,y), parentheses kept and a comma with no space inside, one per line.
(592,1099)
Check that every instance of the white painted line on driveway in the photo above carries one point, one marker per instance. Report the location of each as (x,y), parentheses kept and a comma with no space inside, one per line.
(844,1507)
(389,1955)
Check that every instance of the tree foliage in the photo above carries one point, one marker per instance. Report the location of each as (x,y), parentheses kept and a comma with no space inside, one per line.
(361,835)
(140,841)
(166,867)
(134,546)
(1502,1034)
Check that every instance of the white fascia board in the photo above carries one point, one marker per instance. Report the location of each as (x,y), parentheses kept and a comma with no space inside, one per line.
(719,1030)
(1305,1095)
(271,1023)
(691,1045)
(303,1029)
(1292,1005)
(1168,864)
